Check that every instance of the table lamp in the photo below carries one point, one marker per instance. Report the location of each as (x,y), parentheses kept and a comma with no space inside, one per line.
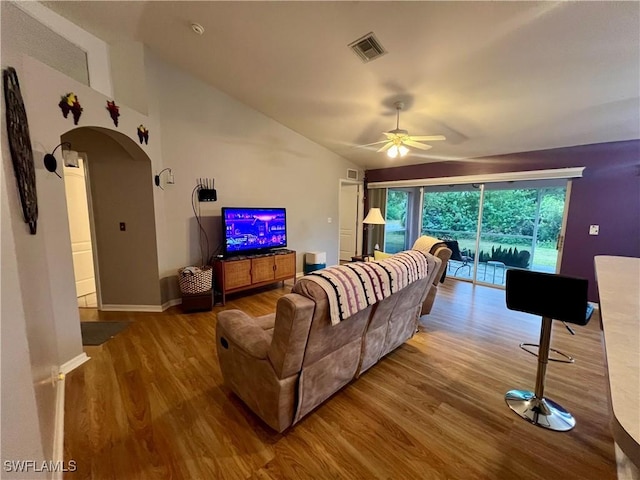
(374,217)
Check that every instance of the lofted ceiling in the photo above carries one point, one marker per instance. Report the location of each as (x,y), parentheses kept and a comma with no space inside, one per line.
(493,77)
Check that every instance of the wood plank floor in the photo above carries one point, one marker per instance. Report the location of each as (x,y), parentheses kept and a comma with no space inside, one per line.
(151,404)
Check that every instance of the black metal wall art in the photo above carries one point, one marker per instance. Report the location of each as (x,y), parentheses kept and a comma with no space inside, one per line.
(20,147)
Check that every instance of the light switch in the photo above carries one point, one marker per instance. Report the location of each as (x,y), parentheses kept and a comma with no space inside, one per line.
(594,229)
(329,220)
(123,227)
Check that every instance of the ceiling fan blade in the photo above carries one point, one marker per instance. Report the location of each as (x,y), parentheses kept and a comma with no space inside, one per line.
(386,147)
(374,143)
(427,138)
(421,146)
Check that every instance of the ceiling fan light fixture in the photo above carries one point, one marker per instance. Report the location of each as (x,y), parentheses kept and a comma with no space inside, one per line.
(397,151)
(398,140)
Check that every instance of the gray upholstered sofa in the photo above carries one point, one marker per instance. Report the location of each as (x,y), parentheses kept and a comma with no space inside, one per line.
(285,364)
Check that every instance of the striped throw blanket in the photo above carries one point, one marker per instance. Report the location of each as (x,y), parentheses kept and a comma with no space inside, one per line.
(354,286)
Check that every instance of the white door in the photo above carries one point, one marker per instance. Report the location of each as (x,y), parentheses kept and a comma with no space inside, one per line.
(348,221)
(78,212)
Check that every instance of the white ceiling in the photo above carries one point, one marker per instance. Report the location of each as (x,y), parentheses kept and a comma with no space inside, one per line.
(493,77)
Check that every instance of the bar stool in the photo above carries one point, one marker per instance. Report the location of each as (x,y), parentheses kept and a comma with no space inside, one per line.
(554,297)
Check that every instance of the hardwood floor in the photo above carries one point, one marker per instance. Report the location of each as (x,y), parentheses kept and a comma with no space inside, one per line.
(151,404)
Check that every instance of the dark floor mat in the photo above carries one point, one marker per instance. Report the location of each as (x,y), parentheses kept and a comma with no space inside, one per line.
(96,333)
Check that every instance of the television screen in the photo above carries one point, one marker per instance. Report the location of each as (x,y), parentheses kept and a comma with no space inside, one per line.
(253,229)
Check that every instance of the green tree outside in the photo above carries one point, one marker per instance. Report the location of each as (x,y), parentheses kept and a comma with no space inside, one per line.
(508,219)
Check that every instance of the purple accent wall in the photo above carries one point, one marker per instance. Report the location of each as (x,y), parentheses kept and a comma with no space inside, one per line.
(608,195)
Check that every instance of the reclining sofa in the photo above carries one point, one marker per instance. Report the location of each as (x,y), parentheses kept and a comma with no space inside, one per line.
(285,364)
(439,249)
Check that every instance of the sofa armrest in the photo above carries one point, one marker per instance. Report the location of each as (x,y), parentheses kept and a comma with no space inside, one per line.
(443,253)
(243,331)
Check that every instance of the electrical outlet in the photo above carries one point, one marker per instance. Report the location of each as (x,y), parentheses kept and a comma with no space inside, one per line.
(329,220)
(594,229)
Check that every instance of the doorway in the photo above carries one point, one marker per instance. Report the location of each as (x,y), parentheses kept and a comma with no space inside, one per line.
(76,188)
(350,217)
(497,226)
(118,201)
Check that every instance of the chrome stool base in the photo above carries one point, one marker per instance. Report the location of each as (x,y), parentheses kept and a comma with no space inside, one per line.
(542,412)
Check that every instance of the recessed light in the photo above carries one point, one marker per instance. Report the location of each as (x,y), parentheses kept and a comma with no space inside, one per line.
(197,28)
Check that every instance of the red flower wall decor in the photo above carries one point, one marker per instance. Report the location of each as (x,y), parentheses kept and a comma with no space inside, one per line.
(143,134)
(70,103)
(114,111)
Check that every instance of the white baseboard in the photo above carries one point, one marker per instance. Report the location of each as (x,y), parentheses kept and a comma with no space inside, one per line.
(171,303)
(74,363)
(132,308)
(58,433)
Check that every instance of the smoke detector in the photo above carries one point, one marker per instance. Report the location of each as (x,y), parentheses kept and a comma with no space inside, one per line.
(367,48)
(197,28)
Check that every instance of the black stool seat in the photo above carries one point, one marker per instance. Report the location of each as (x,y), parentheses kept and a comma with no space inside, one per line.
(554,297)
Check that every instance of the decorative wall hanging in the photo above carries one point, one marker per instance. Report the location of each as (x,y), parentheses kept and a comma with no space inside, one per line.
(20,147)
(114,111)
(143,134)
(70,103)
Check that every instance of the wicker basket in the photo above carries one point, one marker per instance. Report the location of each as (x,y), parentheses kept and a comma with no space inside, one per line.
(195,279)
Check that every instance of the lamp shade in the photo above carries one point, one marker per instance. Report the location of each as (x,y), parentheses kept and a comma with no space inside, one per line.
(374,217)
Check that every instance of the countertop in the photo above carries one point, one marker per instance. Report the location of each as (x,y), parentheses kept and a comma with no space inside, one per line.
(619,290)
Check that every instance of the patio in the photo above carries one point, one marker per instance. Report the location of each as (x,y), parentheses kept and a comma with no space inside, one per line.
(492,273)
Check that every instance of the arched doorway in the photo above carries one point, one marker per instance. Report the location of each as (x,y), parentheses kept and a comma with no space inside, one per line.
(121,221)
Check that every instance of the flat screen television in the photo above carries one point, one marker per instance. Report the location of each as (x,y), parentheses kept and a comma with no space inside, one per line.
(253,230)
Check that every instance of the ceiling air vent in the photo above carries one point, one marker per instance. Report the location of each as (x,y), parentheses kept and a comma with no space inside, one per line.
(367,48)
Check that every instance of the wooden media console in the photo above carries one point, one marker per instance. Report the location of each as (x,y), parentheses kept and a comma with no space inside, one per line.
(235,274)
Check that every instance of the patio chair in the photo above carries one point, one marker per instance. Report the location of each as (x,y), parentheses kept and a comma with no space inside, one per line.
(459,256)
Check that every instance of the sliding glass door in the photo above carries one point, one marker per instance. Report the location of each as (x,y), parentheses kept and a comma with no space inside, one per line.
(520,227)
(451,213)
(549,228)
(490,227)
(506,234)
(496,226)
(402,216)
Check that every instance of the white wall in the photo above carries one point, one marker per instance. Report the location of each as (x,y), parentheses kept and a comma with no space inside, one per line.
(40,322)
(21,438)
(49,317)
(128,75)
(255,162)
(40,84)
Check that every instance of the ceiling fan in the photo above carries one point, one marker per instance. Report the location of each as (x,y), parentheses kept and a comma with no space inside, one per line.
(398,140)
